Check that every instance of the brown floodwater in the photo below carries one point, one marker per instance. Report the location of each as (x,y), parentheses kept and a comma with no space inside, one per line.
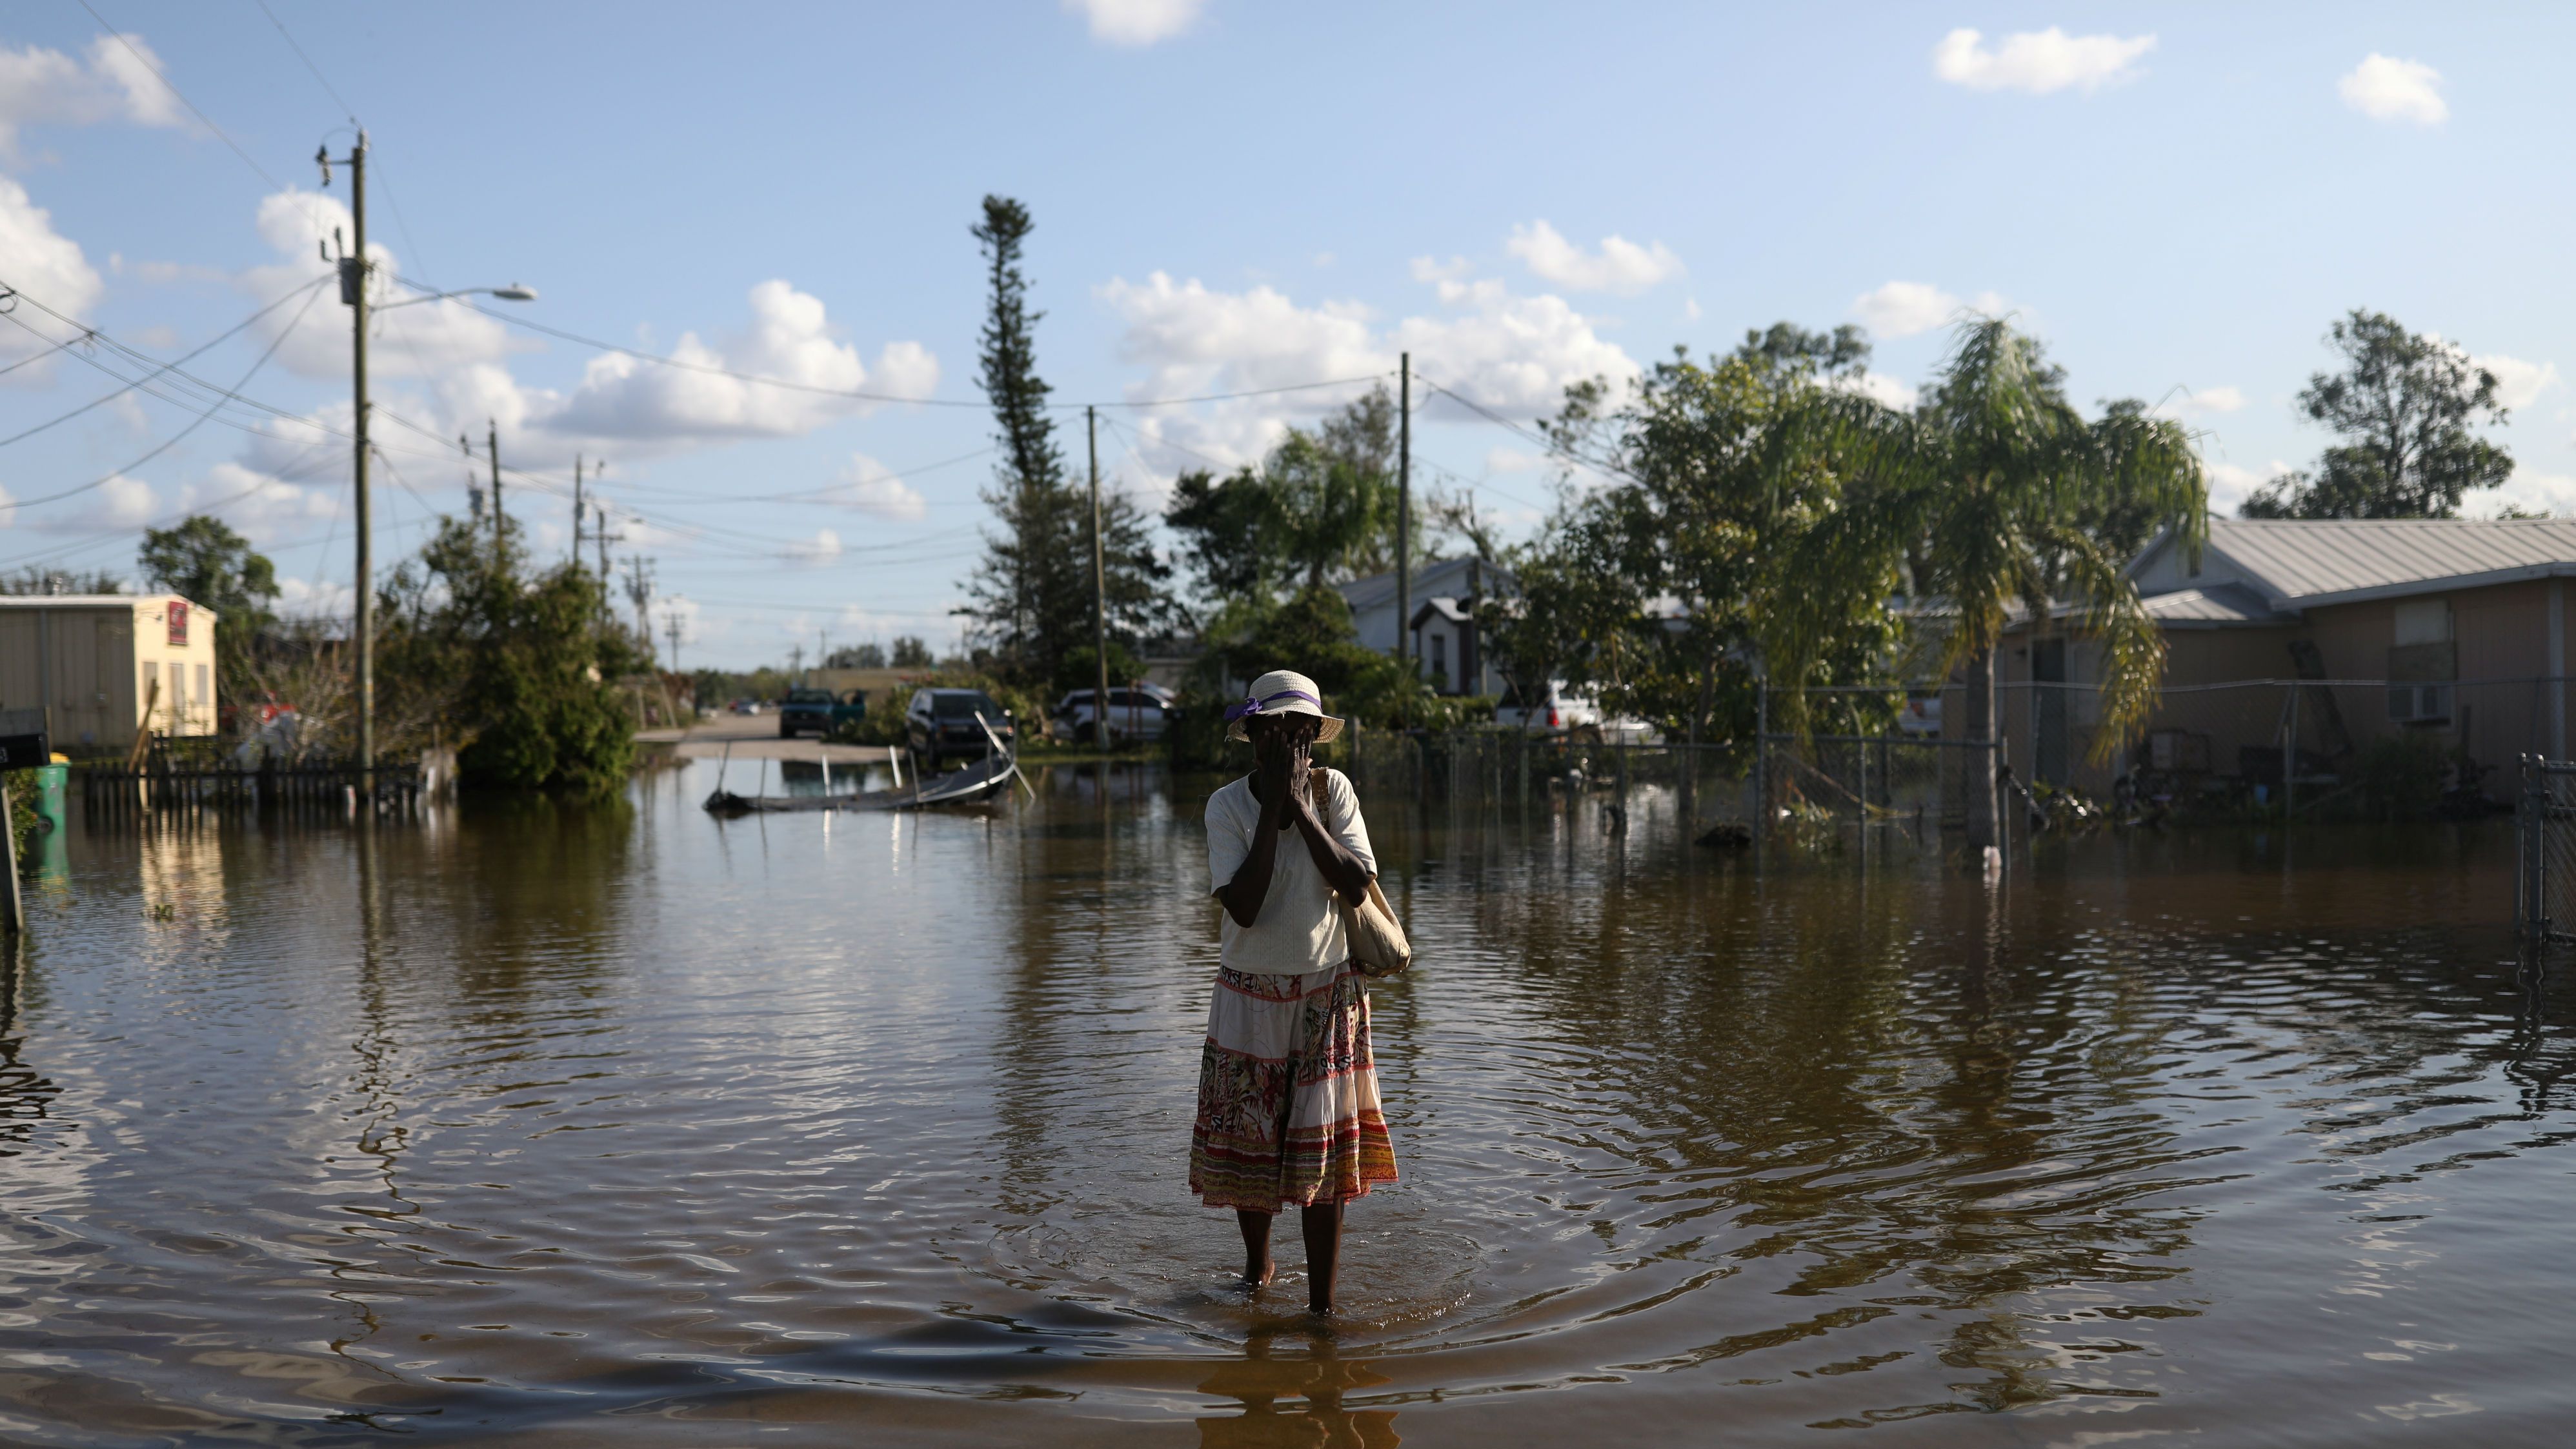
(539,1125)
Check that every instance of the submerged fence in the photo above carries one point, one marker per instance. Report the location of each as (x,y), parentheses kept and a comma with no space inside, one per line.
(112,792)
(2248,750)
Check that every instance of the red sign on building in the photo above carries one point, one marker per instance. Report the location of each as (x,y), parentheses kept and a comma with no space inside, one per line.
(177,614)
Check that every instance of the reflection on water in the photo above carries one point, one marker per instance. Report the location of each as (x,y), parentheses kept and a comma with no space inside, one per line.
(546,1124)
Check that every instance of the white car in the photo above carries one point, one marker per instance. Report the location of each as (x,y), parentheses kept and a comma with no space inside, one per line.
(1138,713)
(1561,711)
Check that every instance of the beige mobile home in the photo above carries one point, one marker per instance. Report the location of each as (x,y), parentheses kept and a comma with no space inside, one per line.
(92,661)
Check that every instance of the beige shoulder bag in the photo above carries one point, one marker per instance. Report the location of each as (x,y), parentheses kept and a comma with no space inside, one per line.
(1377,943)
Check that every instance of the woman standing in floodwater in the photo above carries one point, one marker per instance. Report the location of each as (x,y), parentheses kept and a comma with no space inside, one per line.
(1288,1105)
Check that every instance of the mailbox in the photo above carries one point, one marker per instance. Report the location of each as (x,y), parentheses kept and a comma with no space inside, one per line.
(22,740)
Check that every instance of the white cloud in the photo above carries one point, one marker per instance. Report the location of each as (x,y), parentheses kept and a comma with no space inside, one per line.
(1512,460)
(1508,352)
(38,86)
(2230,483)
(424,339)
(314,599)
(1136,22)
(874,488)
(48,267)
(2038,61)
(1620,266)
(1902,309)
(2204,402)
(790,338)
(1894,392)
(2554,492)
(2519,384)
(119,503)
(2387,89)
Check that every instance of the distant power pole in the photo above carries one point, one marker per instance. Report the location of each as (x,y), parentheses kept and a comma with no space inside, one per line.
(576,510)
(639,592)
(796,661)
(495,446)
(671,631)
(1404,510)
(1099,590)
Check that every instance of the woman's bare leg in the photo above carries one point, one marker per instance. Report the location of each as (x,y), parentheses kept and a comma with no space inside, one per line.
(1257,1266)
(1323,1225)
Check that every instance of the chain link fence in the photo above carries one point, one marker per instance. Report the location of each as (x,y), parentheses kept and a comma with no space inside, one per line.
(2545,850)
(2250,751)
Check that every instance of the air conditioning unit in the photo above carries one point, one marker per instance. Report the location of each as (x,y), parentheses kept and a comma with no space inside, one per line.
(2419,703)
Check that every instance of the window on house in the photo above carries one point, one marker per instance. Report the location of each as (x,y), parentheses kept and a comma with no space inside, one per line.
(204,696)
(2423,621)
(178,693)
(1440,656)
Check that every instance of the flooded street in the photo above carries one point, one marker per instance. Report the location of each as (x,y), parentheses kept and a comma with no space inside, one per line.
(535,1125)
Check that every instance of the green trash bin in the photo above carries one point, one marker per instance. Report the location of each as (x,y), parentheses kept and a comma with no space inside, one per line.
(51,782)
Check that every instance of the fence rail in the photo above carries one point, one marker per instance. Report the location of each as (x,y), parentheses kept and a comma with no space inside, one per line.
(116,791)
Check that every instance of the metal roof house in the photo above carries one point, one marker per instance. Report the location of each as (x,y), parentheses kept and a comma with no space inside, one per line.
(102,666)
(1444,634)
(2455,629)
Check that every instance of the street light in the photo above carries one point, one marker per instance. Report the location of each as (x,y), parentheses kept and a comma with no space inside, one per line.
(353,292)
(511,293)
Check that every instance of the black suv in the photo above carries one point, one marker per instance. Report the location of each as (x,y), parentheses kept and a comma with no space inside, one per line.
(941,725)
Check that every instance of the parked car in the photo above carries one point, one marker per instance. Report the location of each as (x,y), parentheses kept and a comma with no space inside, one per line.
(747,706)
(940,723)
(805,711)
(1137,713)
(1558,710)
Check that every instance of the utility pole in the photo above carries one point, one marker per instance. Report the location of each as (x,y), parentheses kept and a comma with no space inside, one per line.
(600,535)
(1099,589)
(671,631)
(353,291)
(576,510)
(494,445)
(639,592)
(1404,510)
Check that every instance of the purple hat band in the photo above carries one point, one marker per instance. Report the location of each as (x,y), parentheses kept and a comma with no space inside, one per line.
(1251,706)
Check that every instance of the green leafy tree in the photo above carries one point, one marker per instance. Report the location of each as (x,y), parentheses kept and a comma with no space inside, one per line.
(1319,508)
(205,561)
(2404,406)
(1989,484)
(1669,587)
(515,670)
(911,653)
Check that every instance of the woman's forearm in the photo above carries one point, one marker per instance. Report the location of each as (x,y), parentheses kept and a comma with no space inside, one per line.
(1244,894)
(1341,869)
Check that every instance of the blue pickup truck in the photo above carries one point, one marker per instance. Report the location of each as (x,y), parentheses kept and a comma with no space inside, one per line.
(819,711)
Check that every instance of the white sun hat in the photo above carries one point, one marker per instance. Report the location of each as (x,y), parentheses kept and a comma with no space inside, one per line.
(1282,691)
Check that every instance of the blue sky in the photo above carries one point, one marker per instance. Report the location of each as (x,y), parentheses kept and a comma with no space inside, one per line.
(1228,197)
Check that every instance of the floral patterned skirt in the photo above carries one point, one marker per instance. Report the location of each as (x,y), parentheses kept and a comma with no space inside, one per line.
(1288,1105)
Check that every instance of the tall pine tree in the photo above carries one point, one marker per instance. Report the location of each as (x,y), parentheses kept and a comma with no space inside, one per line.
(1033,591)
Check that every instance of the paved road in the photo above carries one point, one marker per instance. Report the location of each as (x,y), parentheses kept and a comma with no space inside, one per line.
(755,737)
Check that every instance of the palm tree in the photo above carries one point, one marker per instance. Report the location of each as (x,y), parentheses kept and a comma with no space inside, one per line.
(1982,489)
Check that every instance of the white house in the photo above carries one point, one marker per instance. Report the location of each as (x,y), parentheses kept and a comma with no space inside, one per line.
(1444,634)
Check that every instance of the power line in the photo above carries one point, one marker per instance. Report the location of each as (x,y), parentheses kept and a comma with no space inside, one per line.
(174,439)
(332,90)
(88,333)
(206,120)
